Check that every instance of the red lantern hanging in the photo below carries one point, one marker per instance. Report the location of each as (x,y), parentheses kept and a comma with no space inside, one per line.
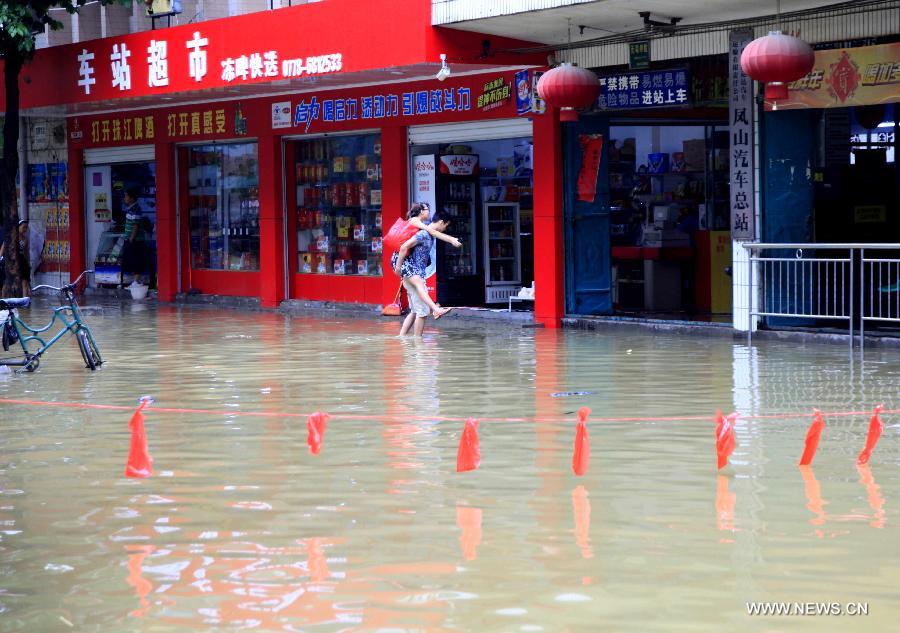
(777,60)
(568,87)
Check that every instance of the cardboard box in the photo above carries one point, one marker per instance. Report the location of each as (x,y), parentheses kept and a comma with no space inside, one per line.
(657,163)
(694,154)
(678,164)
(376,244)
(359,232)
(362,267)
(523,156)
(305,262)
(322,264)
(375,198)
(506,168)
(722,163)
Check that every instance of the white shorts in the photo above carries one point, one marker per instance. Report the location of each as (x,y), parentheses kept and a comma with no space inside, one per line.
(416,304)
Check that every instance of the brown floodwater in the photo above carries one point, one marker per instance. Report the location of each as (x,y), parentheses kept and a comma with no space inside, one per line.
(240,527)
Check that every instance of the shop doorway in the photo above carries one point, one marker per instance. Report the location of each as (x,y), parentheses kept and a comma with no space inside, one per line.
(486,187)
(120,223)
(653,232)
(587,198)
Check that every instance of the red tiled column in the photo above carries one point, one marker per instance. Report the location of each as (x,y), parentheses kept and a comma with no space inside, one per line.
(394,196)
(166,223)
(271,223)
(76,213)
(548,220)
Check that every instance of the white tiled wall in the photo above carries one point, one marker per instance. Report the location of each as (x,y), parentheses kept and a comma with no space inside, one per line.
(94,21)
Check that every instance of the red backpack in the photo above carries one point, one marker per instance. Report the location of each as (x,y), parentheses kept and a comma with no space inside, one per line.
(401,231)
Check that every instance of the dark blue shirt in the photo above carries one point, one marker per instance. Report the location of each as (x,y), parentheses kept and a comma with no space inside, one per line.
(417,259)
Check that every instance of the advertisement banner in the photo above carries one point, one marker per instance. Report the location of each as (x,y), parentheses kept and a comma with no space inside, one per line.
(848,77)
(198,122)
(424,190)
(591,152)
(459,164)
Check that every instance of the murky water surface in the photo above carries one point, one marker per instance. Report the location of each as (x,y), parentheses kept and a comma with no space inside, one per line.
(241,528)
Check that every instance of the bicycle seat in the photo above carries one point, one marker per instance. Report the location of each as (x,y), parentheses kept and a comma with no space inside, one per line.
(15,302)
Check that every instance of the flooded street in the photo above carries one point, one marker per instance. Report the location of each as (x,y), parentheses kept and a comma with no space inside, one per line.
(241,528)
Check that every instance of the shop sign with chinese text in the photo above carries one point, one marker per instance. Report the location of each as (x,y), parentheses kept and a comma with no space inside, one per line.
(647,89)
(740,113)
(173,61)
(415,103)
(848,77)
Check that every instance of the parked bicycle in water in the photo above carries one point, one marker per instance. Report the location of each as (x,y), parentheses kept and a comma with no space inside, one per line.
(16,331)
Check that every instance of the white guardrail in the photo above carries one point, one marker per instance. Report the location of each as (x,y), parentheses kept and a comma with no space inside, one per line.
(849,283)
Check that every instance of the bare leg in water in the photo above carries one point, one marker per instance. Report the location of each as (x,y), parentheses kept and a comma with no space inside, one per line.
(419,284)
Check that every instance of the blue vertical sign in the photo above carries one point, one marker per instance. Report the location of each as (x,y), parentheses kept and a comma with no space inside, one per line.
(522,87)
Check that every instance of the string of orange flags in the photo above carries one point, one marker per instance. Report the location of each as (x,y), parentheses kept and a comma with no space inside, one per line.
(237,413)
(468,457)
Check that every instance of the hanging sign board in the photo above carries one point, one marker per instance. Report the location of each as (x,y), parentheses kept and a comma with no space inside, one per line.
(639,55)
(459,164)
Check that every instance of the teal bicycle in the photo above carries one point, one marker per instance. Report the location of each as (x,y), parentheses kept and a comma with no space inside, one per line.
(15,330)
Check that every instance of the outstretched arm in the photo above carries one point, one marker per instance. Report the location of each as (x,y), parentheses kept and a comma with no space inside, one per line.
(416,222)
(444,237)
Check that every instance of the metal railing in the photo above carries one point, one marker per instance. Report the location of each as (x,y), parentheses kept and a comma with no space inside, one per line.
(817,282)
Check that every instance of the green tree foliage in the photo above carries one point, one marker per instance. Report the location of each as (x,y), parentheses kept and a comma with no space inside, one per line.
(20,21)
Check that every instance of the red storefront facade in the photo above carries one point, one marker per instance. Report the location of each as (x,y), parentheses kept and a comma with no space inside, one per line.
(247,96)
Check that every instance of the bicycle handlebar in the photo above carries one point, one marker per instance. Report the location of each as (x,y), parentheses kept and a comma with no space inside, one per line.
(70,286)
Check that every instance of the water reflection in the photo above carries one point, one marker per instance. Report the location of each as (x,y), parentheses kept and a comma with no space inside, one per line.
(241,527)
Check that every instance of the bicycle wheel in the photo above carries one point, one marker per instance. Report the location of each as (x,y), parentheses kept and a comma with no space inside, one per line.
(89,351)
(33,363)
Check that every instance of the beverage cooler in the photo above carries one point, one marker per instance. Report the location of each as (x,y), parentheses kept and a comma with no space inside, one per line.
(502,267)
(459,274)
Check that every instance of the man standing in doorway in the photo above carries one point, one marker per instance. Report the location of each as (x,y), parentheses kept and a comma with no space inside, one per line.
(134,253)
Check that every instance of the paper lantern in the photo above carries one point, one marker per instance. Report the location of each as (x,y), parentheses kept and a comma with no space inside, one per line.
(776,60)
(568,87)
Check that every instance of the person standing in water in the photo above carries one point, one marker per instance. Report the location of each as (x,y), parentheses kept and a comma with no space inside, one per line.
(410,263)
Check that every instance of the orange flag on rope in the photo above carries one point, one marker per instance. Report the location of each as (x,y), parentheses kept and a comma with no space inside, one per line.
(581,458)
(315,431)
(140,464)
(468,456)
(725,441)
(812,438)
(875,429)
